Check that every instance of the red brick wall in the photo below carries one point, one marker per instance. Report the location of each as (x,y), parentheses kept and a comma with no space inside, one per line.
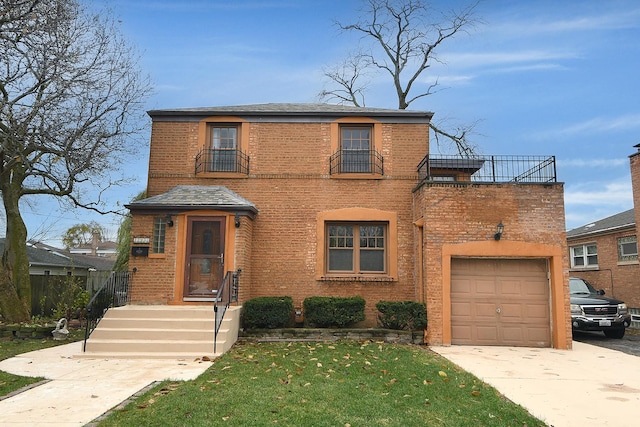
(290,185)
(461,213)
(618,279)
(153,273)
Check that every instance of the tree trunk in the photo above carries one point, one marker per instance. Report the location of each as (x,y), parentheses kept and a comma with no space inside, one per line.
(15,283)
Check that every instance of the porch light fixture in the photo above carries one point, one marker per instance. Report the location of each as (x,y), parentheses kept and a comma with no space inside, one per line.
(237,220)
(499,230)
(169,221)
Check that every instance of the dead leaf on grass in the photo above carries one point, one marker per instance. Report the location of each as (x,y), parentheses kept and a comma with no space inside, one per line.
(475,393)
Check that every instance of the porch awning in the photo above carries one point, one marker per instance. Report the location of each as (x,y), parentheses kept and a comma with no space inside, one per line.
(194,197)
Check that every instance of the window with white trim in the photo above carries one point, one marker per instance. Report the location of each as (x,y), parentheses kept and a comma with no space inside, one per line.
(223,145)
(159,232)
(627,248)
(356,248)
(584,256)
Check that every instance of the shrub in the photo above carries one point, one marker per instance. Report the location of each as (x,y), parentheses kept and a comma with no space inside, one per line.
(400,315)
(267,312)
(325,312)
(71,297)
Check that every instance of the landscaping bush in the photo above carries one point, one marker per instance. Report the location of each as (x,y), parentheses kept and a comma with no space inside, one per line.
(267,312)
(326,312)
(409,315)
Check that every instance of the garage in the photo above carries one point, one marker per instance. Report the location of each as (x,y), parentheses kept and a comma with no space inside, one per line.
(500,302)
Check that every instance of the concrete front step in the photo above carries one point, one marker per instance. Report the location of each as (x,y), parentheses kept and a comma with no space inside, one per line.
(151,323)
(175,332)
(162,312)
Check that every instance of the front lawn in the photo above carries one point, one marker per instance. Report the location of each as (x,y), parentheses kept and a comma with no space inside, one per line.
(343,383)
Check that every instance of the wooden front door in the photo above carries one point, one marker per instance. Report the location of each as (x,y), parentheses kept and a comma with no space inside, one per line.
(205,258)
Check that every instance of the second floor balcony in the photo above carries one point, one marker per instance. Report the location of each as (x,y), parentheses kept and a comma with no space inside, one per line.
(222,160)
(488,169)
(356,161)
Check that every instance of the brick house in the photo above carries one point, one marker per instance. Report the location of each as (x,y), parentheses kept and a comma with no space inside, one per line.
(605,252)
(317,199)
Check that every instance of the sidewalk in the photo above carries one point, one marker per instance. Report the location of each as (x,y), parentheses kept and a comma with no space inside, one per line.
(81,390)
(587,386)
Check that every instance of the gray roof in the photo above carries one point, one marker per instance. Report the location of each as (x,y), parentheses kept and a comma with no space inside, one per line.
(195,197)
(290,111)
(613,223)
(47,258)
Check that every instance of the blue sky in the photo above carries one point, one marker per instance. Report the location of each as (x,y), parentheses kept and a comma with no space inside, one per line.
(539,78)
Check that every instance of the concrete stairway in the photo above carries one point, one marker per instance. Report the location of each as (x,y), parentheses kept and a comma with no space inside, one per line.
(161,331)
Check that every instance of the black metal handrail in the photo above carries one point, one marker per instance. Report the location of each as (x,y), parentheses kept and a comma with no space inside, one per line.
(227,293)
(114,292)
(222,160)
(491,168)
(356,161)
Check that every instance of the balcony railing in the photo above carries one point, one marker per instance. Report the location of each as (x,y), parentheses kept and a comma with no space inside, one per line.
(356,161)
(222,160)
(523,169)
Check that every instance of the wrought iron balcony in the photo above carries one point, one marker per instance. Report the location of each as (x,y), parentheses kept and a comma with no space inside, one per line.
(222,160)
(523,169)
(356,161)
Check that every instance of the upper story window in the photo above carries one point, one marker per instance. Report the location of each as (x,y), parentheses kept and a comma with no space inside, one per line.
(584,256)
(356,248)
(356,152)
(224,142)
(627,248)
(221,151)
(159,232)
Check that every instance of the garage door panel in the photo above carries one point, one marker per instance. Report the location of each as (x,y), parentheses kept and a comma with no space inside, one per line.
(518,288)
(487,334)
(485,287)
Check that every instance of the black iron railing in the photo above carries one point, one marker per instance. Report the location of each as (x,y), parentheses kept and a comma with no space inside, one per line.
(524,169)
(227,293)
(356,161)
(222,160)
(114,292)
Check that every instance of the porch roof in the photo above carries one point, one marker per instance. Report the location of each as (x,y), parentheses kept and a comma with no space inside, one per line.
(191,197)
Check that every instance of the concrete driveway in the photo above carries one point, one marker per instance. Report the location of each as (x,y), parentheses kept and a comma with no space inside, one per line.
(586,386)
(629,344)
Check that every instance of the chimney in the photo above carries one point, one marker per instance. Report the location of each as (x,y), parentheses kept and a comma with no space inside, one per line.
(95,239)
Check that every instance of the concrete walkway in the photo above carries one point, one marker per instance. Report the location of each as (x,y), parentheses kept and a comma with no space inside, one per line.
(81,390)
(587,386)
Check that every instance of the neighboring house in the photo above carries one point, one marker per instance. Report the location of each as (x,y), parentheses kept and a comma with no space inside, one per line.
(97,248)
(318,199)
(605,252)
(96,269)
(48,262)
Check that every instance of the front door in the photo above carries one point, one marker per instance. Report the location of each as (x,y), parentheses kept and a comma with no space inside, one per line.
(205,258)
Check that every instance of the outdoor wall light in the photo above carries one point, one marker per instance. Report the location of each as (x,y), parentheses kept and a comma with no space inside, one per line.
(237,220)
(499,230)
(169,221)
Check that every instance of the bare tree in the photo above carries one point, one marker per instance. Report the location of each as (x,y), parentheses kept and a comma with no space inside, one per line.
(71,97)
(404,42)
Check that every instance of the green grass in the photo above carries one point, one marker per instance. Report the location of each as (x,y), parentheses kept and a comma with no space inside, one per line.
(10,347)
(344,383)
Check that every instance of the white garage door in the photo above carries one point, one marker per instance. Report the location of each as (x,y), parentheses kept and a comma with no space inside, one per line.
(500,302)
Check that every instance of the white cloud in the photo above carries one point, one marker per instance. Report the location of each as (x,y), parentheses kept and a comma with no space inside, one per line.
(473,59)
(592,163)
(594,201)
(594,194)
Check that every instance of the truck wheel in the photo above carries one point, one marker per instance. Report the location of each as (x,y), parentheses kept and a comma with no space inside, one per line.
(614,333)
